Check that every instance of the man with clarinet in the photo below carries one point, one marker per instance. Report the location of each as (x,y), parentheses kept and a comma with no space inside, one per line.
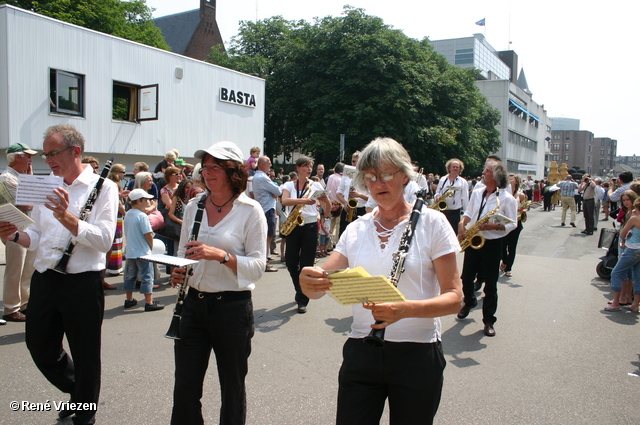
(71,235)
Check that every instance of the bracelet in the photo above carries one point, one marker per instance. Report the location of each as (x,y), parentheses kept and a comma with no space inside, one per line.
(16,237)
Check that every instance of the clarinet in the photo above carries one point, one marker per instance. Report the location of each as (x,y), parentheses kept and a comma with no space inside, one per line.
(61,267)
(174,327)
(376,336)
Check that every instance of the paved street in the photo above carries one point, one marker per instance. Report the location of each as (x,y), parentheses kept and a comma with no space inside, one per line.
(557,357)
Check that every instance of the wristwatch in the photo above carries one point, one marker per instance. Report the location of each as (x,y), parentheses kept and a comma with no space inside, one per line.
(226,258)
(16,237)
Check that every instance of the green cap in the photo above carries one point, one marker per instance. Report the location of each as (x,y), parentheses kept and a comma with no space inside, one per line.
(21,147)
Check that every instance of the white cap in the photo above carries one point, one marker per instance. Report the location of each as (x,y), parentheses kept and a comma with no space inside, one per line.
(136,194)
(222,150)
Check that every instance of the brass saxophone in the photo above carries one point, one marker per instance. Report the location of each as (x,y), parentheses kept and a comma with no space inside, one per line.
(524,206)
(295,217)
(441,205)
(353,204)
(472,238)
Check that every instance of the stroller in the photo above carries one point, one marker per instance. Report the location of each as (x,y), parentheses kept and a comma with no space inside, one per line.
(608,240)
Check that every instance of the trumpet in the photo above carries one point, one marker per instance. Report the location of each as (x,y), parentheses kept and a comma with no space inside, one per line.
(353,204)
(441,205)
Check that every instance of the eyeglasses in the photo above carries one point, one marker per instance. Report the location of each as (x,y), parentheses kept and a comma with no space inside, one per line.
(384,177)
(210,168)
(50,155)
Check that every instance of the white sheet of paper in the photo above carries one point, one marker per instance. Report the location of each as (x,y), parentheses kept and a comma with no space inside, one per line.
(11,214)
(169,259)
(33,190)
(319,193)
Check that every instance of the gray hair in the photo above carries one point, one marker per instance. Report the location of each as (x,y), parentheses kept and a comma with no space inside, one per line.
(12,156)
(499,173)
(382,151)
(141,178)
(70,135)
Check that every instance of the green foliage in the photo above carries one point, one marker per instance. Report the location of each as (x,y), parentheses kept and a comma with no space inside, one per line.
(356,76)
(125,19)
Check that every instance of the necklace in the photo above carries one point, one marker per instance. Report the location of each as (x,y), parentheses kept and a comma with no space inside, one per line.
(220,206)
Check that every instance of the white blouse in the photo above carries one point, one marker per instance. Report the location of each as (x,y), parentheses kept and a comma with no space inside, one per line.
(433,238)
(242,232)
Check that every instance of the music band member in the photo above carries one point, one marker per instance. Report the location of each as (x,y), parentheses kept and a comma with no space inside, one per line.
(302,242)
(218,312)
(486,260)
(347,190)
(457,203)
(510,241)
(70,304)
(409,369)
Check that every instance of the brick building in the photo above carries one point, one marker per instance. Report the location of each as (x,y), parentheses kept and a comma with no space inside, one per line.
(192,33)
(595,155)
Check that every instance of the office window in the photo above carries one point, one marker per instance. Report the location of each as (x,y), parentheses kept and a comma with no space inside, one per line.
(601,161)
(66,93)
(601,151)
(134,103)
(556,147)
(566,146)
(565,158)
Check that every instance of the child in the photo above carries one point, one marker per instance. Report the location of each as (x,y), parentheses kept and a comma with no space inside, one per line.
(252,161)
(137,229)
(324,229)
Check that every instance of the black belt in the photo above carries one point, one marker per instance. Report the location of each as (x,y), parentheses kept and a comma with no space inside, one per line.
(225,296)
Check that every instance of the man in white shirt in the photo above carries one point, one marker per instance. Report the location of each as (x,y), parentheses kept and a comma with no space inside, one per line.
(265,192)
(69,304)
(333,183)
(453,182)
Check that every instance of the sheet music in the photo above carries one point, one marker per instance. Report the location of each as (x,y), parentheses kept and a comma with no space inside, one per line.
(169,259)
(355,286)
(319,193)
(33,190)
(502,219)
(10,213)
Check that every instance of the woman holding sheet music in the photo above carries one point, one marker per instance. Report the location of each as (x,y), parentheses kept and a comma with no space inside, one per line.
(409,370)
(218,311)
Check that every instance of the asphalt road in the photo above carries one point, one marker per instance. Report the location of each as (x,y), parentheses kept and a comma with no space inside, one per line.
(557,357)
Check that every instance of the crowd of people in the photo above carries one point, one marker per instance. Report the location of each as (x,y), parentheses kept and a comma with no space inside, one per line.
(226,213)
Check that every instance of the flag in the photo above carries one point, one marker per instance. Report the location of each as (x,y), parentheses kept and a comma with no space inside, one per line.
(480,22)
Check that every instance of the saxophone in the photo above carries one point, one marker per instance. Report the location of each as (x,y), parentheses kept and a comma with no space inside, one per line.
(472,238)
(353,204)
(441,205)
(524,206)
(295,217)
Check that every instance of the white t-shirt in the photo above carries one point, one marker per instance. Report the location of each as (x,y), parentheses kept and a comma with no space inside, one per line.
(309,212)
(432,239)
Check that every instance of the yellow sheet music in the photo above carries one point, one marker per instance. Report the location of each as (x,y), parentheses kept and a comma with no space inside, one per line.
(355,286)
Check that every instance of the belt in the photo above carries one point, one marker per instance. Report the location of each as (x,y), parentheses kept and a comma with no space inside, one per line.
(225,296)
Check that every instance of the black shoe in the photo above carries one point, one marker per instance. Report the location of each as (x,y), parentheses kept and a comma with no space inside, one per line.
(65,413)
(572,224)
(589,233)
(489,331)
(302,309)
(584,231)
(130,303)
(154,306)
(464,311)
(561,224)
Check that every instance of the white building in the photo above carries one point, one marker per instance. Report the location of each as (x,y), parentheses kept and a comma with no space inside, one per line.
(129,100)
(525,128)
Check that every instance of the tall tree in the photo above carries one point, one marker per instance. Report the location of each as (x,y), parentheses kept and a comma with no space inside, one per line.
(356,76)
(126,19)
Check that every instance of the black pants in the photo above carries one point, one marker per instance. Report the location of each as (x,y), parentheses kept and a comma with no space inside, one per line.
(343,217)
(71,305)
(509,245)
(409,374)
(453,216)
(588,211)
(221,321)
(486,261)
(301,252)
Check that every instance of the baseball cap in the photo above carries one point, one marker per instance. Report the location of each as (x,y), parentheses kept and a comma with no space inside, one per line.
(180,161)
(222,150)
(136,194)
(21,147)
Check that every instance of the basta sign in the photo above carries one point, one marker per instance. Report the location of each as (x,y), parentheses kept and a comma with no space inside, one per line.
(237,97)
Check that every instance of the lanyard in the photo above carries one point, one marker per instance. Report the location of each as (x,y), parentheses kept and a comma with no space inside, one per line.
(484,201)
(300,194)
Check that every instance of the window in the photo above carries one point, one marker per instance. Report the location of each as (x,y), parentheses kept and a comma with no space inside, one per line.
(134,103)
(601,151)
(601,161)
(566,146)
(66,93)
(565,158)
(555,147)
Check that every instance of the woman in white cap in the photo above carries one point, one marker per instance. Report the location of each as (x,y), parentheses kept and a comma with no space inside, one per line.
(218,312)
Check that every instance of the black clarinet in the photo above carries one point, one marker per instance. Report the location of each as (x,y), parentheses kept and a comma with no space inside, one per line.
(61,267)
(376,336)
(174,327)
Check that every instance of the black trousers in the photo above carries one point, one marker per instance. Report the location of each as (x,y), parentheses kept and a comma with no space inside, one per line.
(509,246)
(222,321)
(71,305)
(409,374)
(588,211)
(301,252)
(453,216)
(343,218)
(486,261)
